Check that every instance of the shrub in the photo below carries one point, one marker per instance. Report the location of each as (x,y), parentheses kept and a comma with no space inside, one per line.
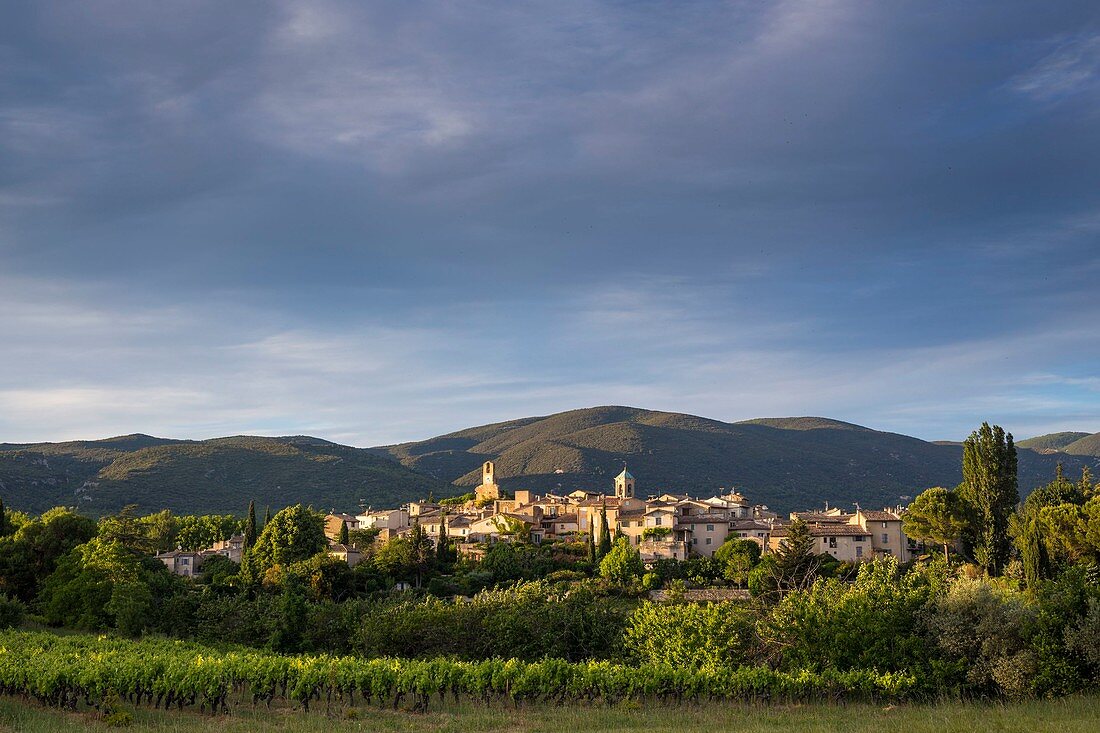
(712,635)
(12,612)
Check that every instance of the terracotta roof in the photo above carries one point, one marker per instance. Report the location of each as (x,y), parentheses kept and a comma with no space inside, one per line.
(879,516)
(834,530)
(703,519)
(820,518)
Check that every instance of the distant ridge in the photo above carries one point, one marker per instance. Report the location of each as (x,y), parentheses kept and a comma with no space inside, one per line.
(788,463)
(209,476)
(1052,441)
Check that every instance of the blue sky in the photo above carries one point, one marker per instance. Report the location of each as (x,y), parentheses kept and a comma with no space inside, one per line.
(376,222)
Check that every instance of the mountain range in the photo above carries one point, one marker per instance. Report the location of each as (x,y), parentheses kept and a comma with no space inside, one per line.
(786,463)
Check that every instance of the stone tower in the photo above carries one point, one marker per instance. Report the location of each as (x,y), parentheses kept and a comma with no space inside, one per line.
(624,485)
(488,488)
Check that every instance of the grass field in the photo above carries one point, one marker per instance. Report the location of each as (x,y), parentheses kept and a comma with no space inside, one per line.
(1071,715)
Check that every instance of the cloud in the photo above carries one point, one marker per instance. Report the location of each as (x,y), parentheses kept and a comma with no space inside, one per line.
(1073,67)
(377,222)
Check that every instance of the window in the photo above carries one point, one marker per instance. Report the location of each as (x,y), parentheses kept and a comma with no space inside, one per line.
(185,561)
(657,522)
(885,525)
(859,552)
(710,528)
(857,538)
(885,538)
(832,542)
(708,540)
(694,540)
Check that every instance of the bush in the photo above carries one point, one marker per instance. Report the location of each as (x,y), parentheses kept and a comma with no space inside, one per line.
(12,612)
(712,635)
(985,627)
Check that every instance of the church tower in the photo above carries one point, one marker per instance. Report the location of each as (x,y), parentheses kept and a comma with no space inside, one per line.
(624,485)
(488,488)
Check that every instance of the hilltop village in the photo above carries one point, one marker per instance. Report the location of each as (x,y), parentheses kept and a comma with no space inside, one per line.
(666,527)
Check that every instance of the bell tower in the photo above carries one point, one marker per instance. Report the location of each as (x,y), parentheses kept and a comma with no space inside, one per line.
(624,485)
(488,488)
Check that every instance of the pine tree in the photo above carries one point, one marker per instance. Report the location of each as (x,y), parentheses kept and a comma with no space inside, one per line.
(936,515)
(1085,484)
(795,560)
(605,535)
(250,526)
(990,488)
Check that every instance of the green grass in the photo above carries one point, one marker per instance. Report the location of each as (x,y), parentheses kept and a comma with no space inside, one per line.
(1069,715)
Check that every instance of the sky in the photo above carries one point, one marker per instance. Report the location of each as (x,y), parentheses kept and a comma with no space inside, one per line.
(378,222)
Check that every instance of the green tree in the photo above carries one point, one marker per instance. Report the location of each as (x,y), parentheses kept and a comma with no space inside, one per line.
(294,534)
(442,543)
(30,554)
(605,535)
(936,515)
(990,488)
(250,526)
(622,564)
(737,557)
(1028,527)
(291,618)
(3,519)
(592,545)
(796,562)
(345,539)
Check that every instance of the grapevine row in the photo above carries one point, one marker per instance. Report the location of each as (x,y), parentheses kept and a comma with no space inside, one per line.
(65,671)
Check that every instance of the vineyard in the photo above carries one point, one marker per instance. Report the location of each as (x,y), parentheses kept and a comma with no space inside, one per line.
(69,671)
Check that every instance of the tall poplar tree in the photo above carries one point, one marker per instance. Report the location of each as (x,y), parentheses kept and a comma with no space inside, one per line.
(990,488)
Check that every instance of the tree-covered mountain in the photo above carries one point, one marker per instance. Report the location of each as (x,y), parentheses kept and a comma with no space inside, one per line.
(1051,441)
(787,463)
(209,476)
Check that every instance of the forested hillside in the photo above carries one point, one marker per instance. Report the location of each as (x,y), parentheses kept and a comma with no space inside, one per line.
(787,463)
(203,477)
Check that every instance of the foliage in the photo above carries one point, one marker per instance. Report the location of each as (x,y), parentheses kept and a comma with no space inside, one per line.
(11,612)
(795,561)
(937,515)
(870,623)
(31,553)
(529,621)
(293,534)
(990,489)
(622,564)
(59,671)
(712,635)
(738,557)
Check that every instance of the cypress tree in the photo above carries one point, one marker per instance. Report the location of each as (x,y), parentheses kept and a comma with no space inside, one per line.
(267,516)
(605,535)
(442,548)
(3,519)
(250,526)
(344,538)
(592,542)
(990,488)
